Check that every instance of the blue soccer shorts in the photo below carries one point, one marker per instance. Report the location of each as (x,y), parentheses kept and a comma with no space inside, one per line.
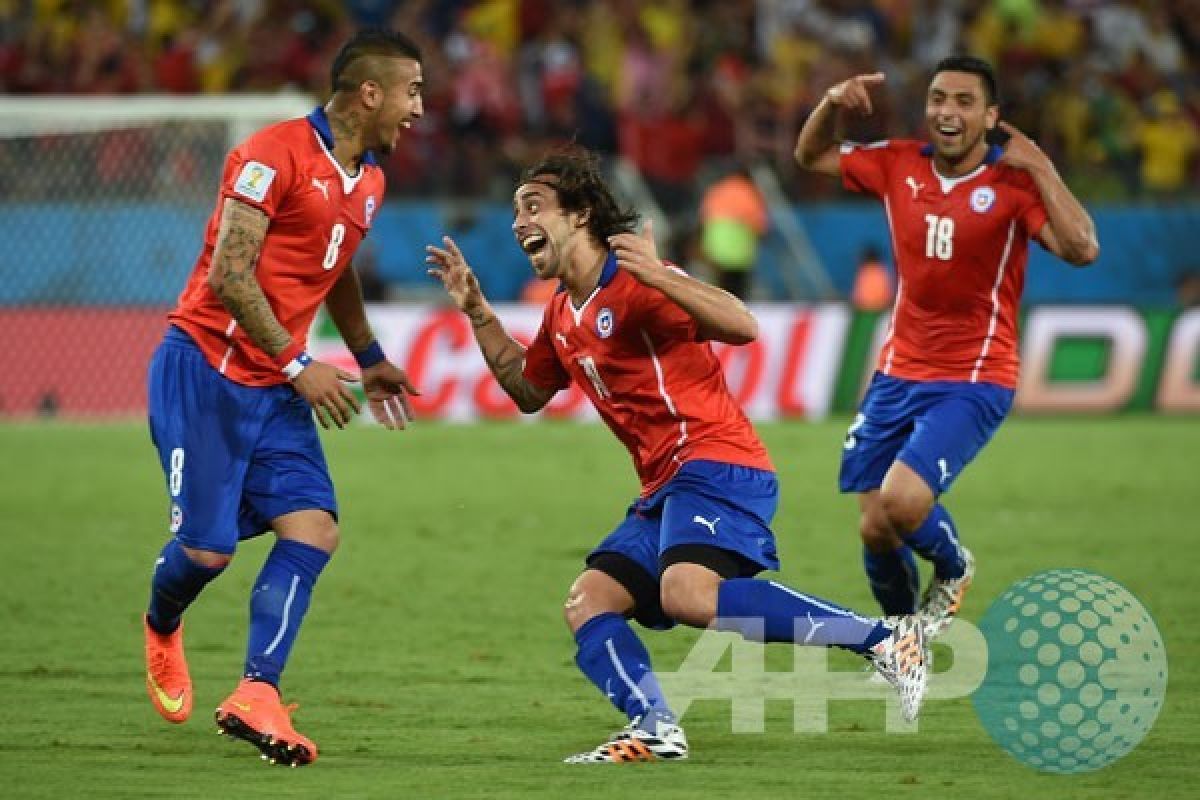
(707,503)
(935,427)
(235,457)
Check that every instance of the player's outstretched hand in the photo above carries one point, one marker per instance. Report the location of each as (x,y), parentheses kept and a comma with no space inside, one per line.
(1020,151)
(637,253)
(449,266)
(854,94)
(324,387)
(387,388)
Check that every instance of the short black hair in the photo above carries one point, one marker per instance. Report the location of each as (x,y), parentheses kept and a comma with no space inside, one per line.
(974,66)
(369,42)
(575,177)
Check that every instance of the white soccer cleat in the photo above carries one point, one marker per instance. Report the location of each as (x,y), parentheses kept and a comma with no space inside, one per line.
(900,659)
(943,599)
(633,743)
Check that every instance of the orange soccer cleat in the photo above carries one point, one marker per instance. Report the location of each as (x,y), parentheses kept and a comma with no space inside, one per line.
(167,678)
(255,713)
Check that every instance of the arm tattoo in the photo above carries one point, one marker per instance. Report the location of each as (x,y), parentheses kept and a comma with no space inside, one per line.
(235,256)
(507,366)
(505,357)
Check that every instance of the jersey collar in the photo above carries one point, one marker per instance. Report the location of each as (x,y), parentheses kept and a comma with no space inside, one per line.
(607,273)
(609,270)
(320,122)
(994,152)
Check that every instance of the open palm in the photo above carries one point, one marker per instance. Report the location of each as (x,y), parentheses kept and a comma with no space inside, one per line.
(449,266)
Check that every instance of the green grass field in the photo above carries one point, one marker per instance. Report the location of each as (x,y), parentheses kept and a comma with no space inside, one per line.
(434,662)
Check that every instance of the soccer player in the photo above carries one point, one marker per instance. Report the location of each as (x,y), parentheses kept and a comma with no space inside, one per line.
(233,392)
(961,213)
(633,334)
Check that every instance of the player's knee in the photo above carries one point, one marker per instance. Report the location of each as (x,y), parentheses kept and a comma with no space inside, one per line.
(209,559)
(905,510)
(876,532)
(584,603)
(687,597)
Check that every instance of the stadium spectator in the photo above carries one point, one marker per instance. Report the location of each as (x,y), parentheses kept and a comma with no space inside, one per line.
(733,217)
(873,285)
(1167,141)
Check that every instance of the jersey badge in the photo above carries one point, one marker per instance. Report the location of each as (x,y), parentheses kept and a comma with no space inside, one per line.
(982,199)
(605,323)
(916,187)
(254,181)
(369,209)
(176,518)
(322,187)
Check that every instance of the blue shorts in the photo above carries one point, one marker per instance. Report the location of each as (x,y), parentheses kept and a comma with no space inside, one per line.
(235,457)
(935,427)
(707,503)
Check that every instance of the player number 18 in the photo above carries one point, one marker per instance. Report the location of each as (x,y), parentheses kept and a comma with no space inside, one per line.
(939,237)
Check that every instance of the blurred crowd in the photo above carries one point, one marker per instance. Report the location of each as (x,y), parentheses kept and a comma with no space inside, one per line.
(1110,88)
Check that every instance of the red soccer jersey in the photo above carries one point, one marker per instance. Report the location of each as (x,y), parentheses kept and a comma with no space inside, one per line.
(318,214)
(960,247)
(635,354)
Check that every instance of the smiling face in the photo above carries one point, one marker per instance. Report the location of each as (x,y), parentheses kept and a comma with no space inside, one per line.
(397,103)
(958,116)
(544,230)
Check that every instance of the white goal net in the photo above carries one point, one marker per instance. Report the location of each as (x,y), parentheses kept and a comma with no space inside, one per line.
(103,203)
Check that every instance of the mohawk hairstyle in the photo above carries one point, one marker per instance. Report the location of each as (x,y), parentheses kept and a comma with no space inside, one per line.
(574,174)
(369,42)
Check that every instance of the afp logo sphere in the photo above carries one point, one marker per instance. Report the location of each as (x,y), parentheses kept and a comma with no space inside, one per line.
(1077,671)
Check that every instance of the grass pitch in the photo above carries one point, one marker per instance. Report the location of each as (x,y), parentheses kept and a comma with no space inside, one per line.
(434,662)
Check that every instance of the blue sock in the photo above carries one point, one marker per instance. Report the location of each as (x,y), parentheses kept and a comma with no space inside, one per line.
(766,611)
(894,579)
(277,605)
(937,541)
(176,583)
(614,659)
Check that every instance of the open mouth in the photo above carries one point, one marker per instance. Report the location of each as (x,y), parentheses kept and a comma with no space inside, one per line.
(948,131)
(534,243)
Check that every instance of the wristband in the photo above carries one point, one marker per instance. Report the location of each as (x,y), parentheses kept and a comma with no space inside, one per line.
(288,354)
(370,356)
(294,367)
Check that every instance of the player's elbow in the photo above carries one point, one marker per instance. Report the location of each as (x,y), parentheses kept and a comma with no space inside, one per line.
(745,333)
(745,329)
(1084,253)
(215,281)
(528,405)
(804,155)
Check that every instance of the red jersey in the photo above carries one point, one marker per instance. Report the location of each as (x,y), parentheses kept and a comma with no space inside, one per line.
(636,355)
(318,216)
(960,246)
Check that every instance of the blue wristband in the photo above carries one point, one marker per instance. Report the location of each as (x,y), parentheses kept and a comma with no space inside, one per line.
(371,356)
(294,367)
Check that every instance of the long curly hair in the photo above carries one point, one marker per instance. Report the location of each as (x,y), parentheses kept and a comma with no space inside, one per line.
(574,174)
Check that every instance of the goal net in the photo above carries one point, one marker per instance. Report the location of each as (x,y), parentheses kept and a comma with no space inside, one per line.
(103,203)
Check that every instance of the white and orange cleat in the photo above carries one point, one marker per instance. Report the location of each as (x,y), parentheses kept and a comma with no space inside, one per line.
(634,743)
(901,660)
(943,599)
